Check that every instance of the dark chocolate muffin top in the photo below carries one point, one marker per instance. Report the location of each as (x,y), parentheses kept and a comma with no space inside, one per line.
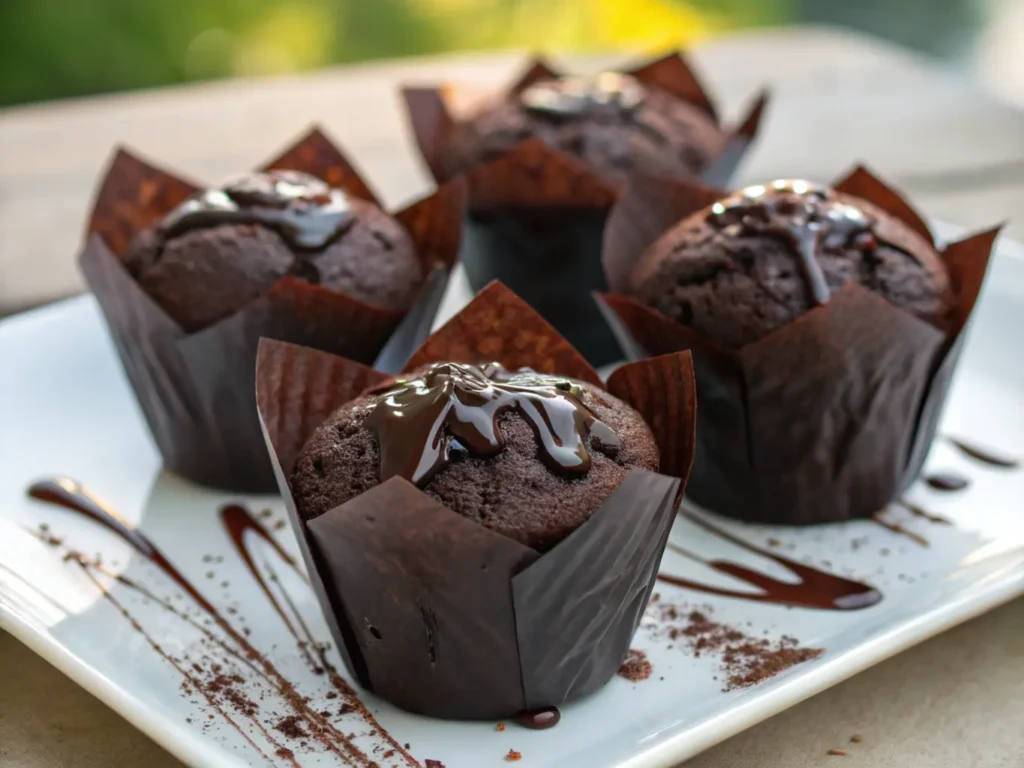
(611,121)
(527,455)
(757,260)
(224,248)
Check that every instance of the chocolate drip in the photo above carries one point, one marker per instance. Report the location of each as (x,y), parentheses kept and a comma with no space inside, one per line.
(609,93)
(72,495)
(808,216)
(947,481)
(813,588)
(985,455)
(453,409)
(301,208)
(539,719)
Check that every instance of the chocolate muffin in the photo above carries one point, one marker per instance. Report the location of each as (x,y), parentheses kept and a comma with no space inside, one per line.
(527,455)
(612,122)
(224,248)
(755,261)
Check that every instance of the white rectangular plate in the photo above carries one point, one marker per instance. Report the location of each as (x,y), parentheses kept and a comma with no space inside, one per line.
(67,409)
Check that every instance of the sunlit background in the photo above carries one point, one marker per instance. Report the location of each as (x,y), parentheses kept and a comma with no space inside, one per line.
(53,49)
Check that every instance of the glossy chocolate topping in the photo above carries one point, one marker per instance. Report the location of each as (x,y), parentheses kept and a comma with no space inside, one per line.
(304,210)
(608,92)
(809,216)
(452,409)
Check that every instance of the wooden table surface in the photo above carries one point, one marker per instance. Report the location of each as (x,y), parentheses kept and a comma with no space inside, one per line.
(837,98)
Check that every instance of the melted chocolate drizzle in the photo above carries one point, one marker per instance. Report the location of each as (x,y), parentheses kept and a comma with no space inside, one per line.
(813,589)
(947,481)
(985,455)
(577,96)
(453,409)
(301,208)
(539,719)
(807,216)
(72,495)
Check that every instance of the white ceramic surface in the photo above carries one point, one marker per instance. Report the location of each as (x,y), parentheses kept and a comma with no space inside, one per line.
(66,409)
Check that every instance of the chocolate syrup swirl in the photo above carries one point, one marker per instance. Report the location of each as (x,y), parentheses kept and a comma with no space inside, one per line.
(421,423)
(301,208)
(807,216)
(947,481)
(812,589)
(577,96)
(72,495)
(985,455)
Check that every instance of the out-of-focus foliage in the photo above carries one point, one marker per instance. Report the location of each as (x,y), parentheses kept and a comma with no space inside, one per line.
(56,48)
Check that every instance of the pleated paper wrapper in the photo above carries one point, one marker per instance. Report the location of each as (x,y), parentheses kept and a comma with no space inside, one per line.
(827,418)
(196,389)
(536,214)
(438,614)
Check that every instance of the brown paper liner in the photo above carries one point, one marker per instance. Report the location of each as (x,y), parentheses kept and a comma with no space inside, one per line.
(433,126)
(826,419)
(437,613)
(537,213)
(196,390)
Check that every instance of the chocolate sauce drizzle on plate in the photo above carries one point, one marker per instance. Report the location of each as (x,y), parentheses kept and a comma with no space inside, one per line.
(814,588)
(985,455)
(302,209)
(947,481)
(577,96)
(72,495)
(422,423)
(539,719)
(808,216)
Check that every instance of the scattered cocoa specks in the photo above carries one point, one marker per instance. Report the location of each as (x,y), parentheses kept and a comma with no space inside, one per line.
(857,738)
(501,726)
(513,756)
(430,763)
(266,513)
(279,524)
(774,543)
(223,687)
(209,574)
(745,660)
(332,695)
(837,752)
(291,727)
(636,667)
(284,753)
(407,745)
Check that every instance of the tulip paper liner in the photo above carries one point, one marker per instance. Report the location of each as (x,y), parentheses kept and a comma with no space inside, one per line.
(196,389)
(536,214)
(437,613)
(827,418)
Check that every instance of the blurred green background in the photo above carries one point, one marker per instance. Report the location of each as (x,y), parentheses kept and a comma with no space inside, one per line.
(58,48)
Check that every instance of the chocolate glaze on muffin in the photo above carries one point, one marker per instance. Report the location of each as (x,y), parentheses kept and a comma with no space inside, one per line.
(755,261)
(223,248)
(611,121)
(527,455)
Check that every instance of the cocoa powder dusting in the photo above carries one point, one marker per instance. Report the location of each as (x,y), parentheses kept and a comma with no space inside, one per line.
(291,726)
(745,660)
(857,738)
(430,763)
(636,667)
